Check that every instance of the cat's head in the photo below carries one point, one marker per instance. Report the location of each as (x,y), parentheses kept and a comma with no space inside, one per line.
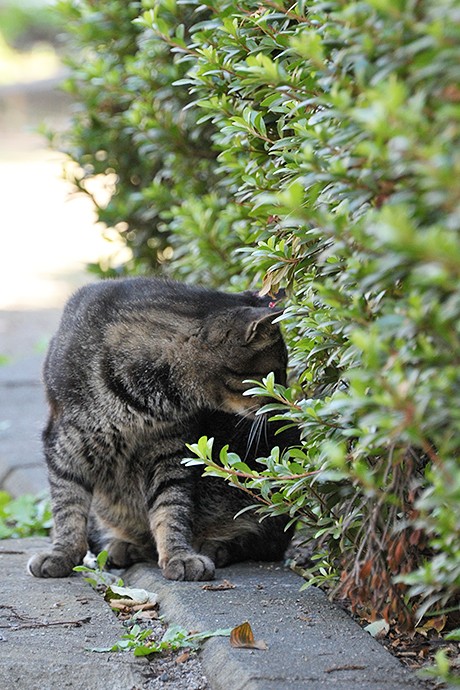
(235,345)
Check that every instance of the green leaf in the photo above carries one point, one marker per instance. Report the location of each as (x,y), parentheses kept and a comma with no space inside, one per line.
(101,559)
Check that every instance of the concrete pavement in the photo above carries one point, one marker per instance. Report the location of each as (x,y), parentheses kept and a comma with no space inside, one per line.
(22,401)
(47,628)
(48,236)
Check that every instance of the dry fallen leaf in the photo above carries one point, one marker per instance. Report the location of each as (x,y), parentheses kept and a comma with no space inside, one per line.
(242,636)
(132,596)
(147,615)
(437,624)
(183,657)
(378,628)
(225,584)
(118,605)
(128,600)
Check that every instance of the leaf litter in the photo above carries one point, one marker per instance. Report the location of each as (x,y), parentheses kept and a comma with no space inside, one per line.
(243,637)
(219,586)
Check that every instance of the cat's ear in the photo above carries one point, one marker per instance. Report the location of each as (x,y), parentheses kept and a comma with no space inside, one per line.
(261,325)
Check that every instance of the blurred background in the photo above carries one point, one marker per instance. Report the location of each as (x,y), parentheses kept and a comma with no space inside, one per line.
(48,234)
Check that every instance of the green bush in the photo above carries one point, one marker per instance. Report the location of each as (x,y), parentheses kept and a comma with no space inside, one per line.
(313,146)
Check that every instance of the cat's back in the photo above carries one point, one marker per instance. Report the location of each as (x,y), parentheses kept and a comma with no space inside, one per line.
(95,306)
(87,316)
(122,308)
(107,300)
(91,310)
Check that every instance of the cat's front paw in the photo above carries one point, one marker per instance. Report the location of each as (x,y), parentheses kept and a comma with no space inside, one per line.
(50,564)
(189,567)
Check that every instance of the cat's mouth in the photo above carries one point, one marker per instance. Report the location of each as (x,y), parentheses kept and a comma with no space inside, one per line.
(237,403)
(234,398)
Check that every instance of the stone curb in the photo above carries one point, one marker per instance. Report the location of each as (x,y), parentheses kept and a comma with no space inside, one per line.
(312,644)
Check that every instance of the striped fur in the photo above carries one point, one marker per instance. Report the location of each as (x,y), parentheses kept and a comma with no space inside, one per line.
(137,368)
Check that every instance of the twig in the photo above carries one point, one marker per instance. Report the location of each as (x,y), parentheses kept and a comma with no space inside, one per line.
(31,623)
(346,667)
(41,624)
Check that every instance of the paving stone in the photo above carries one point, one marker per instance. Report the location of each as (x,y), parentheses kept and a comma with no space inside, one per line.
(49,626)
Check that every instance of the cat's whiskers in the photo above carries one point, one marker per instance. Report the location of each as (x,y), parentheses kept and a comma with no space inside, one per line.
(259,426)
(250,413)
(240,421)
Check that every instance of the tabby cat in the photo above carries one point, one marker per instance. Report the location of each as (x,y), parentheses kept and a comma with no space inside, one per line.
(138,367)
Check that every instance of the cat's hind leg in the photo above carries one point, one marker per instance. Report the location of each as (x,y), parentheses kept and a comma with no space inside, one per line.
(122,553)
(71,495)
(118,522)
(268,541)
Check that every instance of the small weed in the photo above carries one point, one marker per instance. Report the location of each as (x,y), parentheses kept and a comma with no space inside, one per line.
(442,670)
(141,643)
(96,576)
(25,516)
